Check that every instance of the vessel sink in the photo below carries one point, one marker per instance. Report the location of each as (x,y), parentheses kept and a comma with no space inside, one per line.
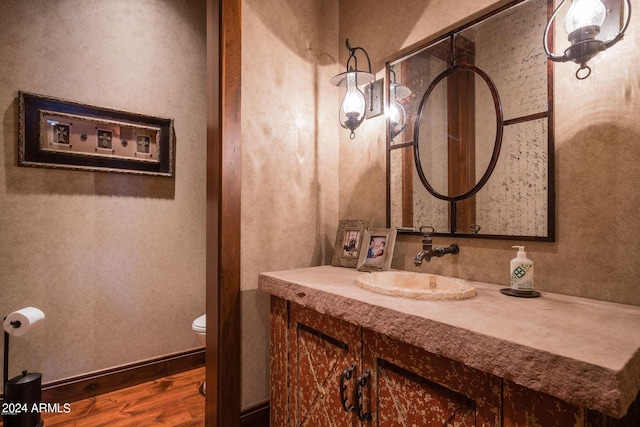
(422,286)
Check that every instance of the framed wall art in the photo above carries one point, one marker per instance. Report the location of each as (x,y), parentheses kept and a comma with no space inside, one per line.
(377,250)
(56,133)
(349,241)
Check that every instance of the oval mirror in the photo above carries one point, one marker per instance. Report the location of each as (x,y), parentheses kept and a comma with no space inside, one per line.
(459,133)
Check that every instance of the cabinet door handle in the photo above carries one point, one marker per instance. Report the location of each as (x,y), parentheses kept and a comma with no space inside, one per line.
(346,375)
(360,385)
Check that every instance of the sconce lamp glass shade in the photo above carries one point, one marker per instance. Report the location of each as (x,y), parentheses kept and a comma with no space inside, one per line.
(583,14)
(354,104)
(397,114)
(582,23)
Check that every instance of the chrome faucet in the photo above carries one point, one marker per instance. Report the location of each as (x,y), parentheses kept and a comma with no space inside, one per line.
(428,250)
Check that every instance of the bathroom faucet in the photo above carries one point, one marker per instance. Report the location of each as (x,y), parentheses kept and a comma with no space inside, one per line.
(428,250)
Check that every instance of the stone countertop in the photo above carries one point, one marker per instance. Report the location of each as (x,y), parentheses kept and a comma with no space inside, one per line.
(583,351)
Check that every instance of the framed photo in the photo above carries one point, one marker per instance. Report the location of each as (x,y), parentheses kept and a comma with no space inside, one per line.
(377,250)
(349,241)
(56,133)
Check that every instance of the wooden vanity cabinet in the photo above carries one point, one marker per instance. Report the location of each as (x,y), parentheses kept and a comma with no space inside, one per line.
(400,385)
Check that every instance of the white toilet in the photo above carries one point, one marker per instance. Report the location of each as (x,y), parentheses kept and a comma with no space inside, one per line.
(199,326)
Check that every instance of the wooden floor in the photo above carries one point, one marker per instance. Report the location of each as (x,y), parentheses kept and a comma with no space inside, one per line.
(172,401)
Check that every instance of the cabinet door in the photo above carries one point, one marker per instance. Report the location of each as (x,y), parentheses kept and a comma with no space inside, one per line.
(322,347)
(411,387)
(524,407)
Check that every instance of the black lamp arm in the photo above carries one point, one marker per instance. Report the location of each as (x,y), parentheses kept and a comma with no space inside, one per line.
(352,55)
(5,363)
(550,55)
(392,74)
(620,34)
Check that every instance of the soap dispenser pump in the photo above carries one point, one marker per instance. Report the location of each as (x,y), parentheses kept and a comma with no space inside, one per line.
(521,273)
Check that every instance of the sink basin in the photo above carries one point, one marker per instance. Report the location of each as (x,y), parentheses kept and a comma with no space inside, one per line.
(409,284)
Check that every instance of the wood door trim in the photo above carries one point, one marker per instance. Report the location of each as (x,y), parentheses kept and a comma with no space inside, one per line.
(223,354)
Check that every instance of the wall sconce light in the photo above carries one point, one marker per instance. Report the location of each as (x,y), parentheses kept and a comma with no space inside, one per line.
(582,23)
(397,114)
(353,107)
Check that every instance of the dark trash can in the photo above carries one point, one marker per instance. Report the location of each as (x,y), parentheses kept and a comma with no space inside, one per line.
(21,401)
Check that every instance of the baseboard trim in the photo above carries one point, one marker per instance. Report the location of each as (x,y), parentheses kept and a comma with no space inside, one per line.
(100,382)
(95,383)
(256,415)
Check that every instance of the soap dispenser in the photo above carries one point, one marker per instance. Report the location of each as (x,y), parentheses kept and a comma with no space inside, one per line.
(521,273)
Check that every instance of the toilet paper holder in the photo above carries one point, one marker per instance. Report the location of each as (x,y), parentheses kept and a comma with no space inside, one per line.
(26,388)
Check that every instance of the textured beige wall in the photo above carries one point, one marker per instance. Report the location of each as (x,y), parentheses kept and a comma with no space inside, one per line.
(116,262)
(289,157)
(597,134)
